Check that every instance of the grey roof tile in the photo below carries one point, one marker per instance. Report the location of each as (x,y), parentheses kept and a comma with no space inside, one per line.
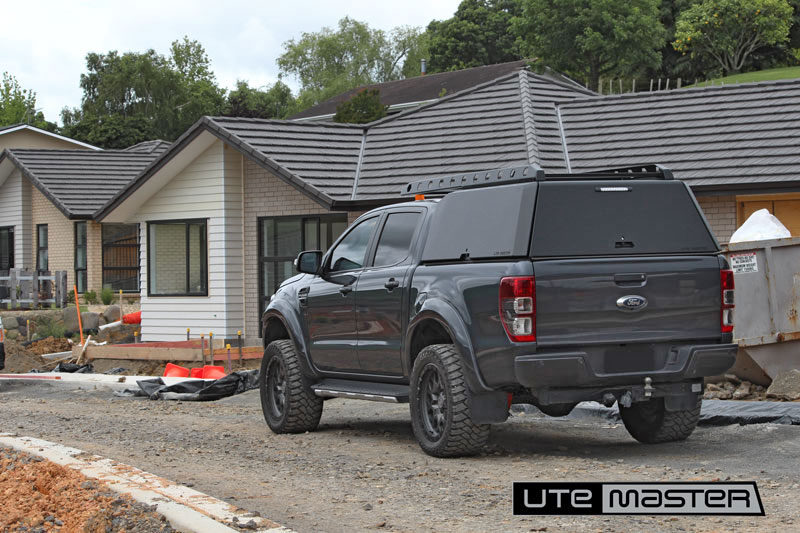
(79,182)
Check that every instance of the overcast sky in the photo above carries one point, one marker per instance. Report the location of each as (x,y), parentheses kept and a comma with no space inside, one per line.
(44,43)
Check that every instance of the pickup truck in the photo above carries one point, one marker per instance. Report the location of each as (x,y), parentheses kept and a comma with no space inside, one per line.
(508,286)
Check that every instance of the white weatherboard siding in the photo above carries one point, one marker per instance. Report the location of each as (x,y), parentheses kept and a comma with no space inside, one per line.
(200,191)
(15,210)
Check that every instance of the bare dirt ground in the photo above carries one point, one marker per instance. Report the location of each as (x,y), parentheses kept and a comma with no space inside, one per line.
(38,495)
(363,470)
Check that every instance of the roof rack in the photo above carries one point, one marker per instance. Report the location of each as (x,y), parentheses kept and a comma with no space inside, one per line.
(503,176)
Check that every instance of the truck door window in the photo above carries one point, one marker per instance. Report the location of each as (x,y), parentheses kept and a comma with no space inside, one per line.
(349,254)
(395,241)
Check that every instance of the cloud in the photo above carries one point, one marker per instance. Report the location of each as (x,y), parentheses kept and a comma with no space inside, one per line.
(44,43)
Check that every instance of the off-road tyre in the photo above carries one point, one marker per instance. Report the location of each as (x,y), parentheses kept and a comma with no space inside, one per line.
(443,427)
(287,401)
(651,423)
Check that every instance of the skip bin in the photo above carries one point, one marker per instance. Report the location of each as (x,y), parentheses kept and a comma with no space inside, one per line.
(766,322)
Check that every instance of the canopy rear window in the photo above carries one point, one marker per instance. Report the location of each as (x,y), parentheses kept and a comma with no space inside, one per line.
(618,218)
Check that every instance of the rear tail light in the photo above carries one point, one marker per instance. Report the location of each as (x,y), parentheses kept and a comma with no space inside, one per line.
(727,305)
(518,308)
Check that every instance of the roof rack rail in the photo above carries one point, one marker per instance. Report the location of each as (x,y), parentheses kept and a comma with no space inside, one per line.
(503,176)
(469,180)
(632,172)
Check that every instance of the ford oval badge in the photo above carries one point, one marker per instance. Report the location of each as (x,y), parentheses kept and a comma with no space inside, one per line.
(632,303)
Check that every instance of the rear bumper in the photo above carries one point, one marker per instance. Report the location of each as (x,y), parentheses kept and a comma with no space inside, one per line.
(578,368)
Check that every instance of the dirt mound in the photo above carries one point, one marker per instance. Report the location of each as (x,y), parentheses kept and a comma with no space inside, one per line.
(44,496)
(50,345)
(20,360)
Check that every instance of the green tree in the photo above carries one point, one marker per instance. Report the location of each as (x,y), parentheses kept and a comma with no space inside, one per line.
(135,96)
(330,62)
(364,107)
(729,31)
(590,39)
(479,33)
(250,102)
(18,105)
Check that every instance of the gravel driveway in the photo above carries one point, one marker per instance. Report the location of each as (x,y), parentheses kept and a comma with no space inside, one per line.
(363,469)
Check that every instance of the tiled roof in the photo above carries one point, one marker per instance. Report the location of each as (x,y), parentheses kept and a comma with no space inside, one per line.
(79,182)
(419,88)
(156,147)
(713,137)
(718,138)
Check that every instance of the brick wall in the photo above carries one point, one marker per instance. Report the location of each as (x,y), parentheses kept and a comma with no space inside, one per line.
(720,212)
(60,235)
(61,242)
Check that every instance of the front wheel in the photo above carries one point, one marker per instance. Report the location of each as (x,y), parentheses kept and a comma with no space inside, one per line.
(288,403)
(440,405)
(650,422)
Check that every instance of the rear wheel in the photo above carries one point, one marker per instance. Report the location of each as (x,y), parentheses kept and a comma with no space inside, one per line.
(288,403)
(440,405)
(650,422)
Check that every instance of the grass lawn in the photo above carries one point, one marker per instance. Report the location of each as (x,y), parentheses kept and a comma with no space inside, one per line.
(786,73)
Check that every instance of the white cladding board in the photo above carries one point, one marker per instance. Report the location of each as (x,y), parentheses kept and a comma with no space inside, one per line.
(199,191)
(15,210)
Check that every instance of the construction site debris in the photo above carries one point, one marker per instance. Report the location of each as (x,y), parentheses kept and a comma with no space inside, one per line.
(730,387)
(196,390)
(785,386)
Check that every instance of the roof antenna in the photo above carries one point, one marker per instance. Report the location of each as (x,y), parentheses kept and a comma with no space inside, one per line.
(424,67)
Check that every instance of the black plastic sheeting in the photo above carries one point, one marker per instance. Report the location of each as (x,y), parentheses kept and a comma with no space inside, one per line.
(2,356)
(712,413)
(196,390)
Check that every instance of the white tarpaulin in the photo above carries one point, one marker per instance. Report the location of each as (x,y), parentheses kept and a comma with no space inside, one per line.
(761,226)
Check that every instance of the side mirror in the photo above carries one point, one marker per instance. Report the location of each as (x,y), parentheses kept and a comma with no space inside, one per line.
(308,262)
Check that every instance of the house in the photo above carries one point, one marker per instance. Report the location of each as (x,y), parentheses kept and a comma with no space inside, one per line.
(401,95)
(47,201)
(223,212)
(25,136)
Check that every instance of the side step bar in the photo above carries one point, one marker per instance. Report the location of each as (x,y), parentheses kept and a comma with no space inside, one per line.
(361,390)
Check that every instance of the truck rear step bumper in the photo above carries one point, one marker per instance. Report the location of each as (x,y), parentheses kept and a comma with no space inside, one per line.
(578,368)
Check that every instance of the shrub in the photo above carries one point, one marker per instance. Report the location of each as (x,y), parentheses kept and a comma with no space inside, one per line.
(47,327)
(107,296)
(70,297)
(90,297)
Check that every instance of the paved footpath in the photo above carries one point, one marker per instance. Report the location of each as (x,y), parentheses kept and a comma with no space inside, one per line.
(362,470)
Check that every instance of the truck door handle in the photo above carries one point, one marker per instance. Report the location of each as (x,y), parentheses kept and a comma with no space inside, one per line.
(347,289)
(391,284)
(630,280)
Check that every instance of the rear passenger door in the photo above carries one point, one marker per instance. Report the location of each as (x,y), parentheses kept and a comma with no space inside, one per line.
(381,294)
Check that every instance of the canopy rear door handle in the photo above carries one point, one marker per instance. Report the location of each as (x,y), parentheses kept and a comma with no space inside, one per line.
(630,280)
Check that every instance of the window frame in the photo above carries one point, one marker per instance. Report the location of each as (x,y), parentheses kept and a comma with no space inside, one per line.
(138,247)
(187,222)
(369,254)
(85,246)
(370,263)
(12,245)
(264,260)
(39,247)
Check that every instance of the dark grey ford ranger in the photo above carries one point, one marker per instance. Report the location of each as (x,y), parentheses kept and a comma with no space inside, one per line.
(508,286)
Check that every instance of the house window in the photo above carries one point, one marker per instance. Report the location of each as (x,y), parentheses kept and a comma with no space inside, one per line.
(6,248)
(280,239)
(121,257)
(80,256)
(177,261)
(41,247)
